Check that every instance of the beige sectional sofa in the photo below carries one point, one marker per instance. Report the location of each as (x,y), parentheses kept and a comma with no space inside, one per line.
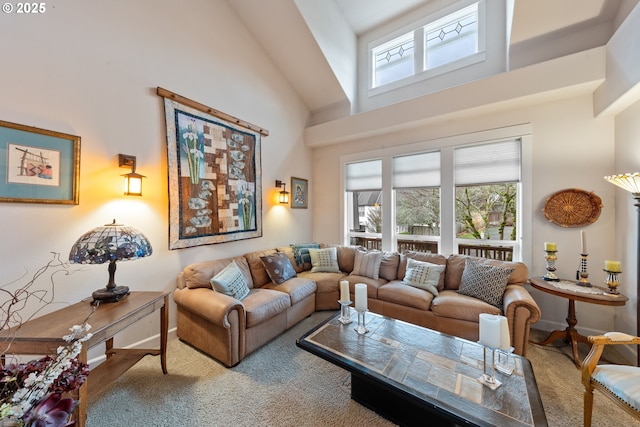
(229,329)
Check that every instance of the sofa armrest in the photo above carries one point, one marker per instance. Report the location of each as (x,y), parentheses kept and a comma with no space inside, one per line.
(210,305)
(521,310)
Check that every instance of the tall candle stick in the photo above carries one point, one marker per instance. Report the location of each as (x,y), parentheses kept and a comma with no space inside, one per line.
(361,297)
(344,291)
(583,243)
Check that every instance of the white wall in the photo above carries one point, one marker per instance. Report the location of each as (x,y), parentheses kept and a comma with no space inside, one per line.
(571,149)
(91,68)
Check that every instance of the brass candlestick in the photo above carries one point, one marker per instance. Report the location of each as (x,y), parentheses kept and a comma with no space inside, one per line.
(583,275)
(551,258)
(612,281)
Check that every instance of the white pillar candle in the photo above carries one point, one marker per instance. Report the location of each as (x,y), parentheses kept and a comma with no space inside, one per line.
(489,330)
(549,246)
(344,291)
(505,338)
(361,297)
(583,243)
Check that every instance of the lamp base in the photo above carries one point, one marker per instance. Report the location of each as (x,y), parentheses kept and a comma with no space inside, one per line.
(105,295)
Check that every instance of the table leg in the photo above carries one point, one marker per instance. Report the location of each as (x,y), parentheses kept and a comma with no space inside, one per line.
(570,335)
(80,414)
(164,330)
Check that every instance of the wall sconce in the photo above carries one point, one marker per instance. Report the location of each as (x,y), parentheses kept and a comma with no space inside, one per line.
(132,180)
(284,194)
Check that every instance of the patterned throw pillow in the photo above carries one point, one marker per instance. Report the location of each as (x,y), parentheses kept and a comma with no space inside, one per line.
(324,260)
(424,275)
(301,253)
(230,281)
(485,282)
(278,267)
(367,264)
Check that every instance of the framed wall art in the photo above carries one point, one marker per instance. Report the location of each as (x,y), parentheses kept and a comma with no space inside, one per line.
(215,183)
(299,192)
(38,165)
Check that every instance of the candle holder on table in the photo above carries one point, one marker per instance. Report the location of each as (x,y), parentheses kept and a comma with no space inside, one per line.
(583,275)
(489,380)
(360,327)
(551,258)
(345,312)
(612,281)
(504,366)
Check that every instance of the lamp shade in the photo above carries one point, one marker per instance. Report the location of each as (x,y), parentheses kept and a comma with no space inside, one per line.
(627,181)
(110,243)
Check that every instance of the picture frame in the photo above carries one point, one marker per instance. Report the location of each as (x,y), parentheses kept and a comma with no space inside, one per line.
(215,178)
(299,193)
(38,165)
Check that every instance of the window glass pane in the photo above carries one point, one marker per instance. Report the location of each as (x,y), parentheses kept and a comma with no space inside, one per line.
(418,212)
(486,212)
(365,208)
(393,60)
(451,38)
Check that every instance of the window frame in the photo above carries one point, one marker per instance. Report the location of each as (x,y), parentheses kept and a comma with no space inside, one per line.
(421,72)
(448,242)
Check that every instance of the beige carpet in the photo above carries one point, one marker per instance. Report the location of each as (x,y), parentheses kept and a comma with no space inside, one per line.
(281,385)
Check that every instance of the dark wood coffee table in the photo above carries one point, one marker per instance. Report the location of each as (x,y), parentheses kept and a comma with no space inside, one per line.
(416,376)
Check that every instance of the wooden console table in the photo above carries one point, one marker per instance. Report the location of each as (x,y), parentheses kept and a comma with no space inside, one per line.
(44,334)
(570,335)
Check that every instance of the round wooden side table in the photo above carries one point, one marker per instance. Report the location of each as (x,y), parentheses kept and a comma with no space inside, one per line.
(568,289)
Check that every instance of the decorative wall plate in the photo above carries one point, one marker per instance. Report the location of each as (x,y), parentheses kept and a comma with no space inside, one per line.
(572,208)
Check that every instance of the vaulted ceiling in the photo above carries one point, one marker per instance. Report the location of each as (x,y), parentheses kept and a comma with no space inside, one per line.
(541,30)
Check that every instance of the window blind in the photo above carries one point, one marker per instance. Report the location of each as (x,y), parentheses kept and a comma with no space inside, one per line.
(488,163)
(417,170)
(364,176)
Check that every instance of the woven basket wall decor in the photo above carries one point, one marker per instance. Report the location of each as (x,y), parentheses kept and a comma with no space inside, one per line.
(572,208)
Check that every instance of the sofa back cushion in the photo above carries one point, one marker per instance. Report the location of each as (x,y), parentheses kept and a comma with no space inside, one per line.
(259,275)
(198,275)
(424,257)
(346,256)
(389,265)
(456,264)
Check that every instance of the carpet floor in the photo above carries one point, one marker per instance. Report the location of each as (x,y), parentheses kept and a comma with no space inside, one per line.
(281,385)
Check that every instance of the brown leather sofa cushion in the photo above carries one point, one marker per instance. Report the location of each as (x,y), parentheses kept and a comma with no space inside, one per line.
(405,295)
(457,306)
(262,304)
(258,272)
(389,265)
(198,275)
(298,288)
(456,263)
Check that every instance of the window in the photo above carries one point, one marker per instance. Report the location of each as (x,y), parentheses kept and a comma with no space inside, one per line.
(416,184)
(363,184)
(440,41)
(464,197)
(487,178)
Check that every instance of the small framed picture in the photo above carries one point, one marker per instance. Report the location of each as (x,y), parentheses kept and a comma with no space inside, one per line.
(38,165)
(299,193)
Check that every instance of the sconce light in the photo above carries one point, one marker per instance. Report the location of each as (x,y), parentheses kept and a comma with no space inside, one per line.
(284,194)
(132,180)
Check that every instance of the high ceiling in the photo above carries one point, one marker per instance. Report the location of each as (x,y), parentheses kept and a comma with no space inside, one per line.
(538,26)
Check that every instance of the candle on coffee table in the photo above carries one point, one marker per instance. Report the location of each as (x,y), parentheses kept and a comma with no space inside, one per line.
(344,291)
(361,297)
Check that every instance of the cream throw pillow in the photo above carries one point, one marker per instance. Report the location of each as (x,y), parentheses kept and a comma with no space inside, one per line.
(367,264)
(230,281)
(324,260)
(424,275)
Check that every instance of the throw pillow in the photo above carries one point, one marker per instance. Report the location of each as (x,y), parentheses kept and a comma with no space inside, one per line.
(367,264)
(278,267)
(324,260)
(485,282)
(424,275)
(230,281)
(301,253)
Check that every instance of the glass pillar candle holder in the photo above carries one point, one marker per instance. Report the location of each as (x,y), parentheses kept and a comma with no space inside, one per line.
(490,379)
(360,328)
(551,258)
(612,281)
(345,312)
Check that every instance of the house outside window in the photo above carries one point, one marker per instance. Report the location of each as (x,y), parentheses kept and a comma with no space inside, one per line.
(363,185)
